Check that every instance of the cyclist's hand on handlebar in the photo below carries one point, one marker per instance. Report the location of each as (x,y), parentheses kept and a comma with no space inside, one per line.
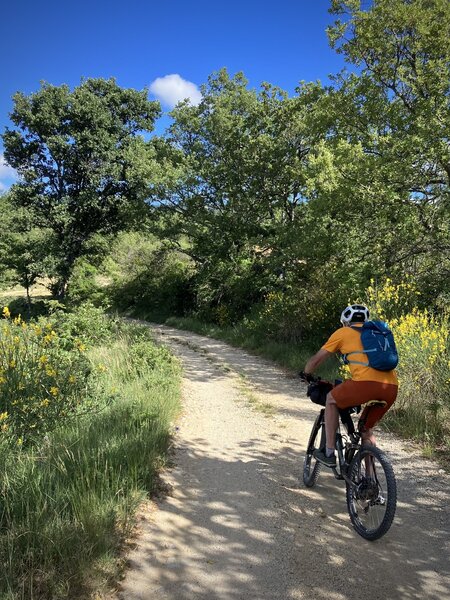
(308,377)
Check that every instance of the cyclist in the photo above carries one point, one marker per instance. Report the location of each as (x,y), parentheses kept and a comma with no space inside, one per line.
(366,383)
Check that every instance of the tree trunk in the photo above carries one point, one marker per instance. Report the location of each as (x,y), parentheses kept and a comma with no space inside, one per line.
(27,288)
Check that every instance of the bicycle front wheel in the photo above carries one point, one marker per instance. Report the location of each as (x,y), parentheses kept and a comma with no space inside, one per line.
(371,493)
(311,467)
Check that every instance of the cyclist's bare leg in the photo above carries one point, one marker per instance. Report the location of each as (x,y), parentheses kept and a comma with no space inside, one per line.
(368,438)
(331,420)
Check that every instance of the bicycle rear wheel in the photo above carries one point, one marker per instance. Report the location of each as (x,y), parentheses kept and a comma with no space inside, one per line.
(371,493)
(311,467)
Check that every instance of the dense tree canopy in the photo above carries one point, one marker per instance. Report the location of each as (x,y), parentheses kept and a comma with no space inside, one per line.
(77,153)
(396,109)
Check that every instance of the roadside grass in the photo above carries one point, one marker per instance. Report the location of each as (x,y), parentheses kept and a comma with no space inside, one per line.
(265,408)
(67,506)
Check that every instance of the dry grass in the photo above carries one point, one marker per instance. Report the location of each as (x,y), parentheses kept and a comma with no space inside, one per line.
(37,291)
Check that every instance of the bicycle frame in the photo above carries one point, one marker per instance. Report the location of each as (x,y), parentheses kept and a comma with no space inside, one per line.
(346,444)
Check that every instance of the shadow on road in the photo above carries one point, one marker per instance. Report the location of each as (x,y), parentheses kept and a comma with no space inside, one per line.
(235,543)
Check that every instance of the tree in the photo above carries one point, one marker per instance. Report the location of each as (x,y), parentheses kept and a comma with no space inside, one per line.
(24,248)
(393,117)
(231,181)
(79,155)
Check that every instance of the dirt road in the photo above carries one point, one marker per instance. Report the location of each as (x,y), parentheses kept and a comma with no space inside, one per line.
(238,524)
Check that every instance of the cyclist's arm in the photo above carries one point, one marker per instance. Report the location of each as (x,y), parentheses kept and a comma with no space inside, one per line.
(316,360)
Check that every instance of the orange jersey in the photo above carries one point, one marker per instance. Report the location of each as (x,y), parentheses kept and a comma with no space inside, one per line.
(346,340)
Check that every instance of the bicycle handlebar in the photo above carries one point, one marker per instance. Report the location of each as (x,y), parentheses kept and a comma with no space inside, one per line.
(309,377)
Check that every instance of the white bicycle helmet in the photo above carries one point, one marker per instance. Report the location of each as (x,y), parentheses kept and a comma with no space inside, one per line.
(355,313)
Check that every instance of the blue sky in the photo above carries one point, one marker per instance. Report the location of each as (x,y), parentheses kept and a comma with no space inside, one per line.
(140,43)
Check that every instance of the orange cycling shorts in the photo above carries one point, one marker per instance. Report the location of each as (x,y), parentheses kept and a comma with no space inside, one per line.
(354,393)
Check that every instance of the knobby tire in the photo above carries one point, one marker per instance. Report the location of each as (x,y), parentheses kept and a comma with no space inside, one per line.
(311,467)
(369,517)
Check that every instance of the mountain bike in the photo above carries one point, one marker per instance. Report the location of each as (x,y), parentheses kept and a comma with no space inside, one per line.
(371,489)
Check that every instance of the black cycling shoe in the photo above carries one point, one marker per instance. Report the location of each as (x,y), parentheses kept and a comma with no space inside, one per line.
(328,461)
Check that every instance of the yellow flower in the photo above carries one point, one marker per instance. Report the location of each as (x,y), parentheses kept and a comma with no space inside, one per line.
(45,402)
(6,313)
(81,347)
(54,391)
(43,359)
(3,416)
(12,363)
(72,379)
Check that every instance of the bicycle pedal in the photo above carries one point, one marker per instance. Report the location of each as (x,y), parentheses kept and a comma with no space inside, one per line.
(336,474)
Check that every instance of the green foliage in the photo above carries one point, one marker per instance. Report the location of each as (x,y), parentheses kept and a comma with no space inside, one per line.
(83,284)
(43,383)
(231,184)
(80,489)
(149,279)
(78,154)
(87,324)
(396,111)
(25,249)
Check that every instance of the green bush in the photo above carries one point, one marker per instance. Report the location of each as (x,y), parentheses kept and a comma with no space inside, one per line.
(159,284)
(42,381)
(87,323)
(83,285)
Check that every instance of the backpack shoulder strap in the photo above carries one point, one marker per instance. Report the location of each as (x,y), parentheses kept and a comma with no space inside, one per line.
(345,358)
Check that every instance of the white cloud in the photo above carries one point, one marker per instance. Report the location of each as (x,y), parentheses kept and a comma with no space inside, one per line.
(171,89)
(6,172)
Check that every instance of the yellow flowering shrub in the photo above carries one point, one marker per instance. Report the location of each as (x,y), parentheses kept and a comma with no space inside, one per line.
(389,300)
(423,343)
(42,382)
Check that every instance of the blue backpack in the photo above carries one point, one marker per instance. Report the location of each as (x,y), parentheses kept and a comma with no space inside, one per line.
(379,346)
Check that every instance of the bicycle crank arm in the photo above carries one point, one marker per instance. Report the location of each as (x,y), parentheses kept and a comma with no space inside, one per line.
(337,474)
